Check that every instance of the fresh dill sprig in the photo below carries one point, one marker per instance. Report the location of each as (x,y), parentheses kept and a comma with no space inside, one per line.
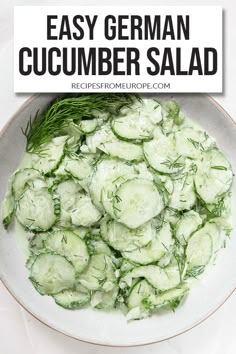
(63,111)
(172,164)
(194,272)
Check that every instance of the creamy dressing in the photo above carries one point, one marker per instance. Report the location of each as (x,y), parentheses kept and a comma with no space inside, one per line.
(22,239)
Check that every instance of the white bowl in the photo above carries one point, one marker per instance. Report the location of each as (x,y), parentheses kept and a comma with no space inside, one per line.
(108,328)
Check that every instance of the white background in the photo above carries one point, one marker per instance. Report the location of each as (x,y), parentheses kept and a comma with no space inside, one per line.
(19,331)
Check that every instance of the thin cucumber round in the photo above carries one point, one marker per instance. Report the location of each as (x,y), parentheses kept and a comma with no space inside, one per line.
(108,171)
(188,223)
(135,127)
(214,176)
(161,154)
(88,126)
(85,213)
(123,150)
(35,209)
(100,274)
(122,238)
(52,273)
(136,202)
(160,278)
(160,245)
(73,299)
(183,196)
(69,245)
(21,178)
(200,247)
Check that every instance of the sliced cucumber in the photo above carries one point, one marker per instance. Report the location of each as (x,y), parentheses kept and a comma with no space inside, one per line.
(78,166)
(98,246)
(36,244)
(183,196)
(136,126)
(139,300)
(214,176)
(67,244)
(200,247)
(73,299)
(160,245)
(187,224)
(161,154)
(143,298)
(122,238)
(50,155)
(88,126)
(85,213)
(35,209)
(69,192)
(52,273)
(21,178)
(98,138)
(123,150)
(152,109)
(104,299)
(100,274)
(170,297)
(160,278)
(108,171)
(136,202)
(192,142)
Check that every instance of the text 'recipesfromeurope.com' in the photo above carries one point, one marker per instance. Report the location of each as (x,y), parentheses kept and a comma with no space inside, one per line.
(120,85)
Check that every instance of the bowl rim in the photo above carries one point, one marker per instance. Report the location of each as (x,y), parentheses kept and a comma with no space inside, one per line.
(204,318)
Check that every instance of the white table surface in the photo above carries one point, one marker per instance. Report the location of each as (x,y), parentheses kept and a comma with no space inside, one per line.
(19,331)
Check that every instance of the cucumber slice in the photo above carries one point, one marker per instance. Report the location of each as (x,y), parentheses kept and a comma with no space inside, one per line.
(123,150)
(68,192)
(52,273)
(170,297)
(143,298)
(35,209)
(36,244)
(97,139)
(104,300)
(161,154)
(183,196)
(85,213)
(78,166)
(73,299)
(88,126)
(22,178)
(126,266)
(140,293)
(100,274)
(160,278)
(188,223)
(139,299)
(98,246)
(67,244)
(136,202)
(152,109)
(191,142)
(200,247)
(108,171)
(122,238)
(214,176)
(159,246)
(50,155)
(135,126)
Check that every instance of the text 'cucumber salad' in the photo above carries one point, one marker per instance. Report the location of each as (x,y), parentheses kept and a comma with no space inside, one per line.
(124,202)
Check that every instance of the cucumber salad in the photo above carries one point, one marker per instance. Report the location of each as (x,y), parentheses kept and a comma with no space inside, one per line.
(124,202)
